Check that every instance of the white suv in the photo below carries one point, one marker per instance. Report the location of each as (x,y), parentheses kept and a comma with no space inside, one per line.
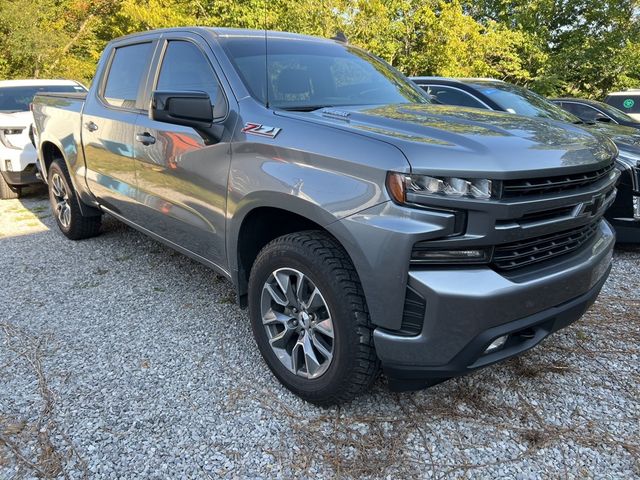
(17,155)
(627,101)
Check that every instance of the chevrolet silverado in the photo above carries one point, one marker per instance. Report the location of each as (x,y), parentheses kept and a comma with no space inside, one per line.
(363,227)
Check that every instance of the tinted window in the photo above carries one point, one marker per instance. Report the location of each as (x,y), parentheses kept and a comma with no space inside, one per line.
(514,99)
(185,68)
(615,113)
(626,103)
(309,74)
(584,112)
(452,96)
(17,99)
(128,67)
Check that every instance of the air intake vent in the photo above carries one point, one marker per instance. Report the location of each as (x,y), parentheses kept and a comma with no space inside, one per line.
(536,186)
(413,316)
(526,252)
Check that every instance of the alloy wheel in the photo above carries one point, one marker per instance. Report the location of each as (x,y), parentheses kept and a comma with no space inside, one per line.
(298,323)
(61,205)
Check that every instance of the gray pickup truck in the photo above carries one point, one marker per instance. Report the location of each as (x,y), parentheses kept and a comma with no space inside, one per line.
(362,227)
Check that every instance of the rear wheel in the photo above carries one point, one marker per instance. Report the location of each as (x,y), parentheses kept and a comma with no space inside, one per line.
(8,191)
(310,318)
(65,206)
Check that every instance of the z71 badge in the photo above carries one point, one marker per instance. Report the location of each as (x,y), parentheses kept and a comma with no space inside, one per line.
(262,130)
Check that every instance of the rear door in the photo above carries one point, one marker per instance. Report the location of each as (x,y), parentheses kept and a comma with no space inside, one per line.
(108,124)
(181,172)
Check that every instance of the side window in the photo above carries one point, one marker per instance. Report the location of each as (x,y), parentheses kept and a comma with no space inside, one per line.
(128,66)
(452,96)
(583,112)
(185,68)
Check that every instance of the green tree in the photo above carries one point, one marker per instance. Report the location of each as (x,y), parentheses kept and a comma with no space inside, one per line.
(590,47)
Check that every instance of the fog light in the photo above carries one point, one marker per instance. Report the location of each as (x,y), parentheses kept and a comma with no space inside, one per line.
(7,165)
(636,208)
(497,344)
(422,254)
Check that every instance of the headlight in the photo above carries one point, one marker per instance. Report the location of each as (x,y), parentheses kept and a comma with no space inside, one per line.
(6,134)
(399,184)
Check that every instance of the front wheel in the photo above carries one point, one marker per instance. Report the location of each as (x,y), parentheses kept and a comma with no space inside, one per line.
(65,205)
(310,318)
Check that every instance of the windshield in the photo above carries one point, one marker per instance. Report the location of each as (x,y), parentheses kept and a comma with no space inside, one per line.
(524,102)
(311,74)
(17,99)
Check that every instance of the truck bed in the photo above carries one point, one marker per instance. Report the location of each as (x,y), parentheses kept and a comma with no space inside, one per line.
(65,131)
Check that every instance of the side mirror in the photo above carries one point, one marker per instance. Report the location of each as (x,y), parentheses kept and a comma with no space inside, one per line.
(602,118)
(191,109)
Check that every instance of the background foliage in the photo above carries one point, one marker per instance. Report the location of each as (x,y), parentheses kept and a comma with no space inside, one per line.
(577,47)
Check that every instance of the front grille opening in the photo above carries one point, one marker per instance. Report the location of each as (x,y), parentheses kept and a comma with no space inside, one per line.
(519,254)
(541,216)
(415,307)
(534,186)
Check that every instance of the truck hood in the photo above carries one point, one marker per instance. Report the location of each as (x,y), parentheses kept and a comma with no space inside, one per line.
(16,119)
(440,139)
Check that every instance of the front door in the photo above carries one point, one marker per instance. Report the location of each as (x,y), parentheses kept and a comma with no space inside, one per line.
(182,173)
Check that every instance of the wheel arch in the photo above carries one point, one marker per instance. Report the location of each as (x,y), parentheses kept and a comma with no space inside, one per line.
(257,224)
(50,151)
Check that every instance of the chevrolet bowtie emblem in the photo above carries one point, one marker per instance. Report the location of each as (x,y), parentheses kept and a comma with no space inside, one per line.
(593,207)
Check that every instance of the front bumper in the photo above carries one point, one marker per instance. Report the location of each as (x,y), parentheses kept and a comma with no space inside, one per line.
(25,177)
(18,166)
(467,308)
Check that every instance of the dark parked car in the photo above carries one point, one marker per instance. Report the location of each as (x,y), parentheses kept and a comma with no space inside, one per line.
(501,96)
(360,225)
(590,111)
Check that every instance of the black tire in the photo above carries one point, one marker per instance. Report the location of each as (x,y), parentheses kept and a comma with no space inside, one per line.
(7,191)
(354,365)
(79,226)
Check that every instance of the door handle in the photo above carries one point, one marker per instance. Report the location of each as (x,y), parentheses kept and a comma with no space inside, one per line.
(92,127)
(145,138)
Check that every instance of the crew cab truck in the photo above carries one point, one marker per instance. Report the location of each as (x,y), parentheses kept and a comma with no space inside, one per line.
(363,227)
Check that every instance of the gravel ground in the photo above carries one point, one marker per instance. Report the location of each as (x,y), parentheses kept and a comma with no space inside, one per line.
(120,358)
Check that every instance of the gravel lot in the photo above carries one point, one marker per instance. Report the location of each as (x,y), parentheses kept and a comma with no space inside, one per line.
(122,359)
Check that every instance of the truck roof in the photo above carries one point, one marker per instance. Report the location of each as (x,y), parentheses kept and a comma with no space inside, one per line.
(34,82)
(230,32)
(633,91)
